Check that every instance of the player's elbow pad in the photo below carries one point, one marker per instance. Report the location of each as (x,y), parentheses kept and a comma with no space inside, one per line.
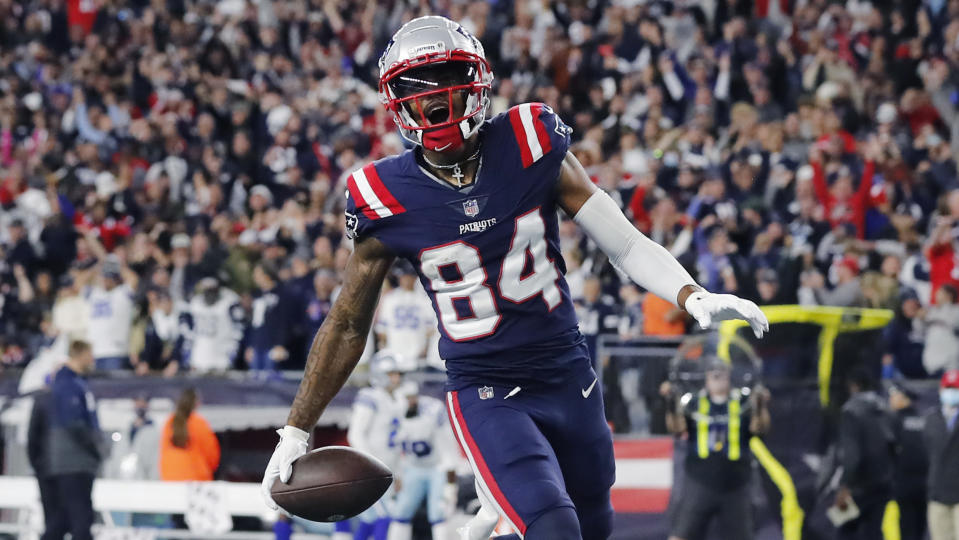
(647,263)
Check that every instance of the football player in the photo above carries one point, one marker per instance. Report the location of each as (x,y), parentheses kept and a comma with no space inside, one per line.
(474,208)
(372,429)
(427,463)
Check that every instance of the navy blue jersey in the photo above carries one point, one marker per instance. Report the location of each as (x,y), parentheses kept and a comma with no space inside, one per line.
(487,254)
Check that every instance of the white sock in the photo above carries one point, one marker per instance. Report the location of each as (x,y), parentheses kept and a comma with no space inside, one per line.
(342,536)
(480,526)
(440,531)
(400,531)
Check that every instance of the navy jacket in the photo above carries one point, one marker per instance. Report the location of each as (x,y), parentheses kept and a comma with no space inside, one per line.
(75,439)
(38,434)
(274,313)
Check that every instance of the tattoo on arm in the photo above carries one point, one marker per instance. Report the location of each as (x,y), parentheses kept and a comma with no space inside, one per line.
(340,341)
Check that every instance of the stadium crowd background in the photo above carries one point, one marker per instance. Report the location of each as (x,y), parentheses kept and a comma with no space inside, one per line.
(785,151)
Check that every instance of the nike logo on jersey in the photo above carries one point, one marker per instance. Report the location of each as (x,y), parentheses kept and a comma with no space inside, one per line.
(589,390)
(477,226)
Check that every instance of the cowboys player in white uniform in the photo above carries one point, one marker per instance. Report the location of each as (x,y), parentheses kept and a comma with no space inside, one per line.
(427,462)
(373,427)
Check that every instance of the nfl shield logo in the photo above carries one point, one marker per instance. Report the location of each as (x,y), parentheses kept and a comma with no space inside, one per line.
(471,208)
(486,392)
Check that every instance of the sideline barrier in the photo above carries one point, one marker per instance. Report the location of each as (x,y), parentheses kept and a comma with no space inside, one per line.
(149,497)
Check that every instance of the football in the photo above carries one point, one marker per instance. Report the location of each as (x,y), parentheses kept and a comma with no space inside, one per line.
(332,484)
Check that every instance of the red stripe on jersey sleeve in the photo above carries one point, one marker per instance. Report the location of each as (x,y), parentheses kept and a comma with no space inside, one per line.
(382,193)
(520,133)
(358,197)
(541,133)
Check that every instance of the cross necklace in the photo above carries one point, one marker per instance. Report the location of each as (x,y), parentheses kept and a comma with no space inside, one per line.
(457,169)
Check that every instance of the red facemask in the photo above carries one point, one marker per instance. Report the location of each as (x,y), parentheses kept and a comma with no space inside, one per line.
(444,139)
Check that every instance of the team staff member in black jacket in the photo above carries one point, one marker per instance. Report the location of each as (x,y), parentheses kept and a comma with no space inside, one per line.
(76,447)
(912,463)
(941,434)
(866,453)
(38,452)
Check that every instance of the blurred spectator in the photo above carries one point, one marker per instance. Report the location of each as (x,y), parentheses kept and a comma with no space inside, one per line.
(71,312)
(867,456)
(271,322)
(846,293)
(18,250)
(404,319)
(189,449)
(111,317)
(214,327)
(318,304)
(76,446)
(942,332)
(143,460)
(597,315)
(769,288)
(904,339)
(942,443)
(717,260)
(912,463)
(661,317)
(162,343)
(631,320)
(141,418)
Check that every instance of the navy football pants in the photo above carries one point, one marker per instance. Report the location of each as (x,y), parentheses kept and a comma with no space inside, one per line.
(544,455)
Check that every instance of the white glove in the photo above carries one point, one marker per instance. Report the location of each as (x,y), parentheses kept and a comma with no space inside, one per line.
(293,444)
(707,307)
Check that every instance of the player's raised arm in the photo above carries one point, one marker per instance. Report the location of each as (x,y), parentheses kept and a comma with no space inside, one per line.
(644,261)
(336,349)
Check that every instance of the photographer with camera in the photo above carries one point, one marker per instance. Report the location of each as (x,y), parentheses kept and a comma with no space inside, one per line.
(717,421)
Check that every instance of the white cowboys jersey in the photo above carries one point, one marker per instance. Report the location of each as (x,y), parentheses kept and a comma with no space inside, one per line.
(407,320)
(214,331)
(374,423)
(111,316)
(425,440)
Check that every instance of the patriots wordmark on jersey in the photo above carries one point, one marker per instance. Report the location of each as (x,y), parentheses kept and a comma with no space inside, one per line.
(487,254)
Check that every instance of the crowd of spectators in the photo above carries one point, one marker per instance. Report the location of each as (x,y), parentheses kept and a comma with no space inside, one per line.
(788,151)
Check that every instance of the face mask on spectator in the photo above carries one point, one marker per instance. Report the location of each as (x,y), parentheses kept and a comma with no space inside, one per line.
(949,397)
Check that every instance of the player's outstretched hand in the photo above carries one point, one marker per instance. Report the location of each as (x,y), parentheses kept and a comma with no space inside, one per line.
(707,307)
(293,444)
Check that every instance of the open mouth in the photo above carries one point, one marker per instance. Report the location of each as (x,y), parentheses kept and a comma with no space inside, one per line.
(438,113)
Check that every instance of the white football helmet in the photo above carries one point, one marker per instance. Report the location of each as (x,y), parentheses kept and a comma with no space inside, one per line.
(429,57)
(382,364)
